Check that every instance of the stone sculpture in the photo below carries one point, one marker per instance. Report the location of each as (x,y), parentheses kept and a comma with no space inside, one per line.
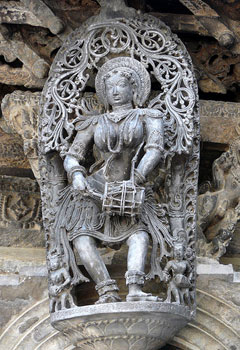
(59,278)
(100,157)
(180,280)
(218,207)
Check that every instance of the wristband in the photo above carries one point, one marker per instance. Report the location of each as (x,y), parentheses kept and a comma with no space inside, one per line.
(74,169)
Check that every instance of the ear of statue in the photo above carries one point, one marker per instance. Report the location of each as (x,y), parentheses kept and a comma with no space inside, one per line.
(135,98)
(105,101)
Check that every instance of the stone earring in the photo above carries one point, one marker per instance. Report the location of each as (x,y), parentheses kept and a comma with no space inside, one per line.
(135,99)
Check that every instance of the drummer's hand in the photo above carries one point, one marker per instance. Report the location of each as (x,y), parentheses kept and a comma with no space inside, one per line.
(79,182)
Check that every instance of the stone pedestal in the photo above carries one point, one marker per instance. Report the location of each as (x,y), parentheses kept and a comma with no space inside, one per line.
(121,326)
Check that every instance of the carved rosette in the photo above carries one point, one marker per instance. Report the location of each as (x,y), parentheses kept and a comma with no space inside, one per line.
(75,67)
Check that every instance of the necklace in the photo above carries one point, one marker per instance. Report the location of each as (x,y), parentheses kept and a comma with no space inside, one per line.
(119,143)
(117,116)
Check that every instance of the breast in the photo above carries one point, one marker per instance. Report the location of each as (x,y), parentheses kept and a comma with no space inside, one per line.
(116,137)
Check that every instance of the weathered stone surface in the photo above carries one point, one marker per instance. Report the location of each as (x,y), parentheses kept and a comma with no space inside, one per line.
(18,260)
(217,323)
(25,13)
(46,16)
(20,212)
(217,67)
(219,121)
(74,12)
(14,12)
(218,204)
(25,54)
(11,152)
(19,76)
(210,268)
(20,110)
(18,289)
(181,23)
(211,21)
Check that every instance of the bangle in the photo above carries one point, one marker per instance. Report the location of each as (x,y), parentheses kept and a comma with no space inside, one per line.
(139,178)
(74,169)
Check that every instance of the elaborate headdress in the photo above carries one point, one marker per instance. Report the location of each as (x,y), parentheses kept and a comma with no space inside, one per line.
(130,66)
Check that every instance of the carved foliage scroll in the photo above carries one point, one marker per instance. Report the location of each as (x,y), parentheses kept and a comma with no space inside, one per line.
(90,46)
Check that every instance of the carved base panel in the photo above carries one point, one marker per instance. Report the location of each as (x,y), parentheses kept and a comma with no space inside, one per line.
(122,326)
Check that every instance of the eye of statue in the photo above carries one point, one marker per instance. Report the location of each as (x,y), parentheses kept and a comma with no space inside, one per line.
(123,83)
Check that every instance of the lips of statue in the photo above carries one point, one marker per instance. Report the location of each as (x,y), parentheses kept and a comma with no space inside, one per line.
(119,90)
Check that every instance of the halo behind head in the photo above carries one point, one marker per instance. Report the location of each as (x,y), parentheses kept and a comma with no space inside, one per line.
(128,65)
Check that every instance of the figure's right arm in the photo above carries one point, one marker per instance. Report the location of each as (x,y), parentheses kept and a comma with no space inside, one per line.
(75,158)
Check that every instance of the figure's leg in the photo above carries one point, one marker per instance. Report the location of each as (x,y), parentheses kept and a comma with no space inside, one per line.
(169,294)
(58,306)
(186,297)
(52,304)
(137,254)
(91,259)
(69,299)
(176,295)
(94,264)
(137,251)
(63,300)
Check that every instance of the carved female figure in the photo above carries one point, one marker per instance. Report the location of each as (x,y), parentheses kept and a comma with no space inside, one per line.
(59,279)
(107,202)
(178,271)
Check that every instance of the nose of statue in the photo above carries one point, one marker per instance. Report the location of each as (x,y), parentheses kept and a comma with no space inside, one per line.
(115,90)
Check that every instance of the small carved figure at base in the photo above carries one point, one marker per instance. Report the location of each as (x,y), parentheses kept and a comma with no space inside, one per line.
(59,279)
(220,243)
(175,271)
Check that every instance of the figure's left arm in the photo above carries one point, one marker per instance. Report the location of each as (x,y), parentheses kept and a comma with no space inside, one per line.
(154,147)
(67,278)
